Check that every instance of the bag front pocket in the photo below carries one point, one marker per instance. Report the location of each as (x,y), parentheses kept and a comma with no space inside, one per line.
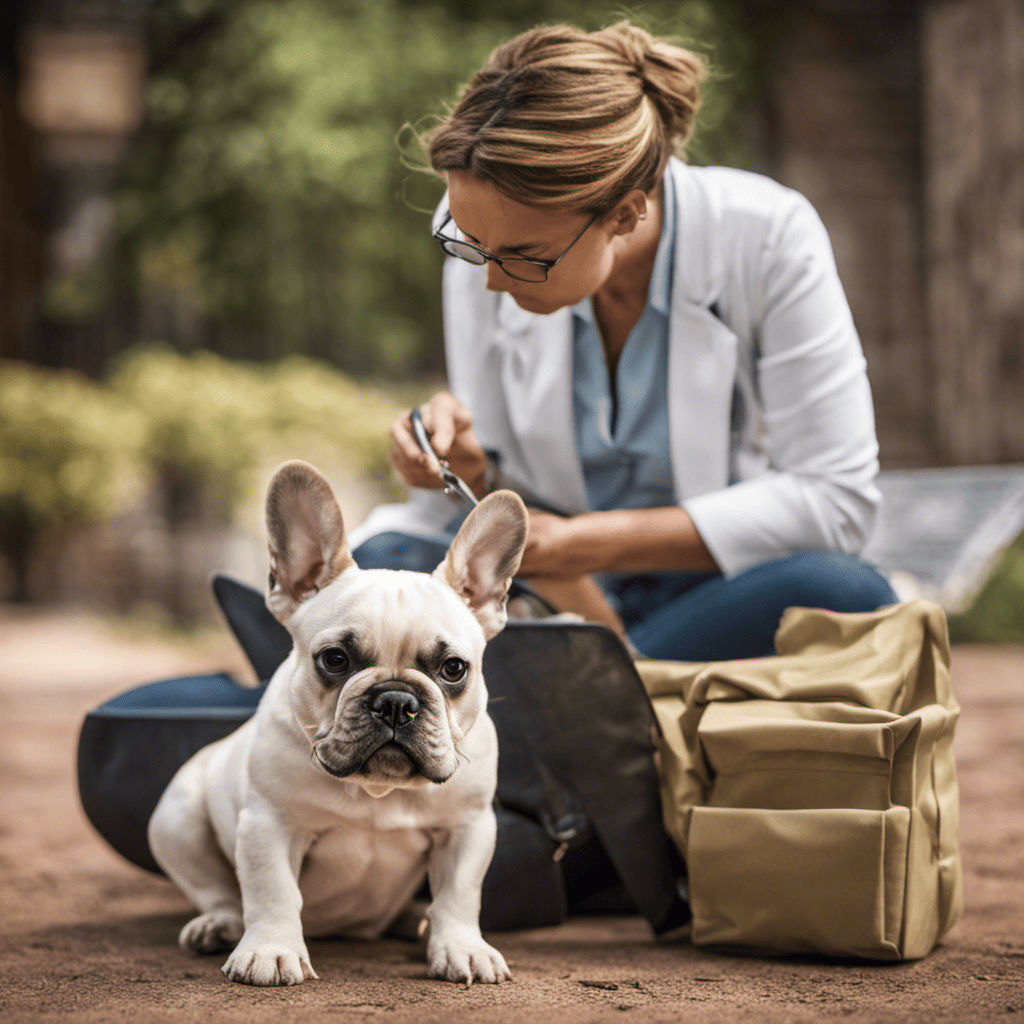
(792,755)
(816,880)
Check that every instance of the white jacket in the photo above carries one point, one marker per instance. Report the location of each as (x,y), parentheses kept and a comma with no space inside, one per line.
(771,426)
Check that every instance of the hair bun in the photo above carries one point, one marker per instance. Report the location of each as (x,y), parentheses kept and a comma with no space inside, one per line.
(632,42)
(670,75)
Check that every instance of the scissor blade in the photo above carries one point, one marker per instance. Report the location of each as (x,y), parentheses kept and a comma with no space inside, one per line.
(452,482)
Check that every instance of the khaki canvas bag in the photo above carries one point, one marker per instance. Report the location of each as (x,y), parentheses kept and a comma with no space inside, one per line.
(814,794)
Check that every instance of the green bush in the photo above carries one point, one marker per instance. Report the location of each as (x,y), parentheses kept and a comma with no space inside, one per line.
(209,422)
(196,427)
(997,613)
(68,448)
(311,405)
(204,426)
(65,443)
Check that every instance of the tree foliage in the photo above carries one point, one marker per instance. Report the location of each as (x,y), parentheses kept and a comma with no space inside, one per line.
(266,207)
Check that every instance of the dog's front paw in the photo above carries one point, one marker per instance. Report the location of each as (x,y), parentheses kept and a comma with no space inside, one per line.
(269,963)
(212,932)
(464,956)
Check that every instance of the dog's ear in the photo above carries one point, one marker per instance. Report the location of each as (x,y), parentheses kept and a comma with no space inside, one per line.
(485,555)
(306,536)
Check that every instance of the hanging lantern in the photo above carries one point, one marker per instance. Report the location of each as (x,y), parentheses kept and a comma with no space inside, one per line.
(82,83)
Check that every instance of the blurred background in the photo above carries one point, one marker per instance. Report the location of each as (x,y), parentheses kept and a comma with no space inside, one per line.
(215,251)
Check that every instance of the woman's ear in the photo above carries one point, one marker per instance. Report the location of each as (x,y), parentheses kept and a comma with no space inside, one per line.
(629,213)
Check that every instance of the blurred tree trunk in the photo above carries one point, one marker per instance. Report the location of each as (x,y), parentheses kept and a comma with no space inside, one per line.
(974,144)
(841,125)
(19,536)
(20,234)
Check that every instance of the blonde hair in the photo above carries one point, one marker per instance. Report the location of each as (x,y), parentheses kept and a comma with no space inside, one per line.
(567,119)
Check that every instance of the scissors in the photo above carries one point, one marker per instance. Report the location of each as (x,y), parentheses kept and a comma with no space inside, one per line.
(454,484)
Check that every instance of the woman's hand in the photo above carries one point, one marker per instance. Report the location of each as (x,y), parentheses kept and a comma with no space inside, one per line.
(450,426)
(549,548)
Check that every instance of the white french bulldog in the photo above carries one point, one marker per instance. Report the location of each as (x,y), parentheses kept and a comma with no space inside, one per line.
(370,763)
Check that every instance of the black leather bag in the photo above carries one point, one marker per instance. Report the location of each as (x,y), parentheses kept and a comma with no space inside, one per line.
(577,804)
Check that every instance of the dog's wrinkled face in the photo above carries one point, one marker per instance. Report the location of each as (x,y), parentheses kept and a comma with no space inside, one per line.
(387,679)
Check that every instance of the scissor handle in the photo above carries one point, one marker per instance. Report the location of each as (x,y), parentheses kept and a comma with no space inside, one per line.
(420,433)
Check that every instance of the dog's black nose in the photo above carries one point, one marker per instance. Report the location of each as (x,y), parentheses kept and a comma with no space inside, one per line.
(396,707)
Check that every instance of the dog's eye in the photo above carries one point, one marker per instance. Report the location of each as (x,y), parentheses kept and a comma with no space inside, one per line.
(334,659)
(453,670)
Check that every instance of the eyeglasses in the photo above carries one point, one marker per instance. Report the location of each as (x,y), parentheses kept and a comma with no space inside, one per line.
(534,271)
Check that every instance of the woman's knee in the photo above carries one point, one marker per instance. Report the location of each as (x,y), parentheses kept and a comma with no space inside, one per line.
(832,580)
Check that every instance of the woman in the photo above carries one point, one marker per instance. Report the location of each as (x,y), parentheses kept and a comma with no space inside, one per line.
(659,358)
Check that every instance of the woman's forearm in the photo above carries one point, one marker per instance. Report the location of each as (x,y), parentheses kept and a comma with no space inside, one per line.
(623,540)
(582,596)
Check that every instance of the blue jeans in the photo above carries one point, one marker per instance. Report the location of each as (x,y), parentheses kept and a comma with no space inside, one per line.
(694,616)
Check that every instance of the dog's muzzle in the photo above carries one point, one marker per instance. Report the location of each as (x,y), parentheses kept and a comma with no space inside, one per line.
(387,732)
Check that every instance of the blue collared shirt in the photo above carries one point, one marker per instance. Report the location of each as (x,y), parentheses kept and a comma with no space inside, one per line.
(625,456)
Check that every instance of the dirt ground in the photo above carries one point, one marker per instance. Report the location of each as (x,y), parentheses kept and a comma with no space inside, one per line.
(85,936)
